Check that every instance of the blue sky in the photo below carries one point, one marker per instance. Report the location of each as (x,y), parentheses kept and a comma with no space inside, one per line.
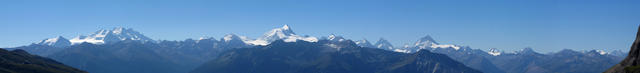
(545,25)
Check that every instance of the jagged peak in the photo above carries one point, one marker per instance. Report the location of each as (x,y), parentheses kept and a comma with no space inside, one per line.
(426,41)
(600,52)
(110,36)
(383,44)
(286,27)
(494,51)
(333,37)
(278,33)
(427,38)
(119,30)
(285,33)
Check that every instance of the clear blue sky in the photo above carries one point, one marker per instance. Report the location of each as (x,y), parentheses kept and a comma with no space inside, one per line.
(545,25)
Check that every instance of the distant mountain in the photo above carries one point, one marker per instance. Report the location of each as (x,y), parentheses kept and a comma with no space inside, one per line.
(111,36)
(232,41)
(52,45)
(631,63)
(565,61)
(364,43)
(129,51)
(59,42)
(107,51)
(328,57)
(124,50)
(494,52)
(383,44)
(523,61)
(131,56)
(46,46)
(335,38)
(284,33)
(425,42)
(619,53)
(19,61)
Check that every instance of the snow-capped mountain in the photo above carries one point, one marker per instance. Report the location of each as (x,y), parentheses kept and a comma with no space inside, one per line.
(232,41)
(111,36)
(55,42)
(333,37)
(494,52)
(618,53)
(601,52)
(425,42)
(197,51)
(284,33)
(384,44)
(428,42)
(364,43)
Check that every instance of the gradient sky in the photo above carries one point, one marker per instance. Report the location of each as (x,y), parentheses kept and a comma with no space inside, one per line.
(545,25)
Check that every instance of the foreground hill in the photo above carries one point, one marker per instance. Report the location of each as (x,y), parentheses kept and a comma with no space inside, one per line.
(328,57)
(19,61)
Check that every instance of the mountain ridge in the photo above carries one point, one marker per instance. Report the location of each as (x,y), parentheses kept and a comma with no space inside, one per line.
(305,57)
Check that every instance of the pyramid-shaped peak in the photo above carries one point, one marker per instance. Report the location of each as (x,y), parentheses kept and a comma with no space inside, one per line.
(55,42)
(286,27)
(427,39)
(278,33)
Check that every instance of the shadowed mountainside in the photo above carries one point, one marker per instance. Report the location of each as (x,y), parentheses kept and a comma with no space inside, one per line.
(19,61)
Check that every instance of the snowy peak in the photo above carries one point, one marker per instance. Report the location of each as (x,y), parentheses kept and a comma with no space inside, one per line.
(383,44)
(427,39)
(278,33)
(618,53)
(232,38)
(333,37)
(601,52)
(284,33)
(494,52)
(425,42)
(286,27)
(364,43)
(206,38)
(55,42)
(428,43)
(598,52)
(111,36)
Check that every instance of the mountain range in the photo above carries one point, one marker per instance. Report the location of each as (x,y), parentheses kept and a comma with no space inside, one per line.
(523,61)
(327,56)
(124,50)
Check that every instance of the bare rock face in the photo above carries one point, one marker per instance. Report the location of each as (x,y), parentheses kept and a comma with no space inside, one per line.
(631,63)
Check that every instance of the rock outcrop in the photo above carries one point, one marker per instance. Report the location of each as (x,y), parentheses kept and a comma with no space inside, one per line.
(631,64)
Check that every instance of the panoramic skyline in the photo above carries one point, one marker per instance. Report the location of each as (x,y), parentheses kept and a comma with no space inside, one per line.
(545,25)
